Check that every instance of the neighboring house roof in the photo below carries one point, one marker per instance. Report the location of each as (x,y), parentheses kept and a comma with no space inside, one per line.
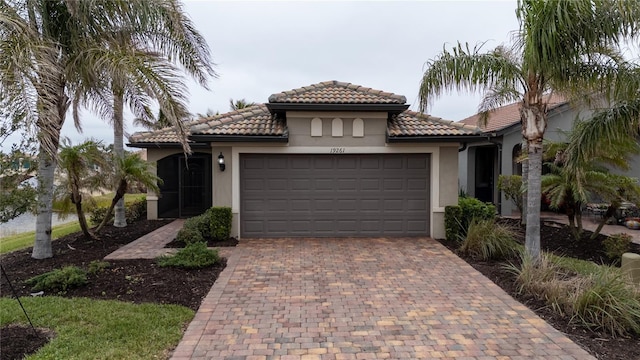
(336,92)
(508,115)
(266,122)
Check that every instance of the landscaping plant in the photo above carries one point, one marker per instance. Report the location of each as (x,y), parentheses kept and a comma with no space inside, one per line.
(220,217)
(617,244)
(193,256)
(488,240)
(58,280)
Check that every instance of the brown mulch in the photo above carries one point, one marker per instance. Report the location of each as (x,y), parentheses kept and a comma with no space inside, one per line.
(136,281)
(143,281)
(557,238)
(210,243)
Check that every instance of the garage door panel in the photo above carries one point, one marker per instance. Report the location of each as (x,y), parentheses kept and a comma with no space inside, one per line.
(334,195)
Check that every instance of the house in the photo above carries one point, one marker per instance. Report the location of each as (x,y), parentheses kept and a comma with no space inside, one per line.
(331,159)
(480,163)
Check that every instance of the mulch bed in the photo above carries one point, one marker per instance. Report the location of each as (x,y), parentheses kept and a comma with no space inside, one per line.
(557,238)
(210,243)
(136,281)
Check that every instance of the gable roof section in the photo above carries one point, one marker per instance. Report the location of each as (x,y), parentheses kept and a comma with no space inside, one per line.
(508,115)
(252,122)
(336,92)
(411,126)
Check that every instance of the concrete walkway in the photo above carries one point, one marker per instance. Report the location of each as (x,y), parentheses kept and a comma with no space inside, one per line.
(337,299)
(591,223)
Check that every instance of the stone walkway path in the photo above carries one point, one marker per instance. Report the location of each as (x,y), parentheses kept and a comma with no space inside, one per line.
(314,299)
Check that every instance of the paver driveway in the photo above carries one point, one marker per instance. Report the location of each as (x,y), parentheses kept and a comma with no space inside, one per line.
(362,299)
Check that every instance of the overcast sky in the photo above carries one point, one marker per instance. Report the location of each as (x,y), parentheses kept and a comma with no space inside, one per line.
(265,47)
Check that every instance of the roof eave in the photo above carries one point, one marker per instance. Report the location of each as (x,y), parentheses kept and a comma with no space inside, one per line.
(392,108)
(158,145)
(240,138)
(435,138)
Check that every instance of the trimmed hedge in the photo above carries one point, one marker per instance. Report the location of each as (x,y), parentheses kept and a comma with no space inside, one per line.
(458,218)
(134,211)
(220,218)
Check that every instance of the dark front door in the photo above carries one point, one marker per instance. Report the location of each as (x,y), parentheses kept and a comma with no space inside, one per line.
(485,173)
(186,187)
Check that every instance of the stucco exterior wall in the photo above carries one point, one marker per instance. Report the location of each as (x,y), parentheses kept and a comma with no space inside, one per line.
(299,125)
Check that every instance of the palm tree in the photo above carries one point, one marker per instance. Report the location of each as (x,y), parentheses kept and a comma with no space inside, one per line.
(57,53)
(239,104)
(157,123)
(82,165)
(130,168)
(566,46)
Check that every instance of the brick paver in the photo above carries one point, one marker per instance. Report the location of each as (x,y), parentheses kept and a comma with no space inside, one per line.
(362,299)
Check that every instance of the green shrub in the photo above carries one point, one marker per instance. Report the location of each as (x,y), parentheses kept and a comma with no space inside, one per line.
(220,220)
(189,235)
(604,301)
(511,186)
(616,245)
(473,208)
(134,211)
(201,223)
(487,240)
(533,277)
(458,218)
(452,226)
(97,266)
(58,280)
(193,256)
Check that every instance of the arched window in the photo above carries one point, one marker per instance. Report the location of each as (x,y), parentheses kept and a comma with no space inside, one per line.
(316,127)
(358,127)
(336,127)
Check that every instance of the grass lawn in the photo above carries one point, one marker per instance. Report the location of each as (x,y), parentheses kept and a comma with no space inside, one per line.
(100,329)
(26,239)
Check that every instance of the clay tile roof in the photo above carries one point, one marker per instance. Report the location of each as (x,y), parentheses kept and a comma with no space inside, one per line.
(336,92)
(251,121)
(410,123)
(508,115)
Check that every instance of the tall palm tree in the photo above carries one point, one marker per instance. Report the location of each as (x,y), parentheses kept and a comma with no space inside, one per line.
(82,165)
(56,53)
(565,46)
(130,168)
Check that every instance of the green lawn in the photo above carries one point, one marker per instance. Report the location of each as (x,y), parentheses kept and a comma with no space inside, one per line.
(100,329)
(26,239)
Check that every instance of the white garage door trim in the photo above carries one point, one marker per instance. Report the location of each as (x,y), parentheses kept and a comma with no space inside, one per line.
(433,149)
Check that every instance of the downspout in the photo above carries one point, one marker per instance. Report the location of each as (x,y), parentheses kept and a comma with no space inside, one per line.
(499,146)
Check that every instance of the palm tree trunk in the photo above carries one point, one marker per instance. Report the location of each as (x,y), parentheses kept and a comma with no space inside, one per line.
(46,168)
(122,189)
(525,178)
(611,210)
(532,235)
(120,219)
(77,200)
(49,126)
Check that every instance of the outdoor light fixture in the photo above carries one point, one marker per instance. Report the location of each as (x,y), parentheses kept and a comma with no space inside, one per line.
(221,162)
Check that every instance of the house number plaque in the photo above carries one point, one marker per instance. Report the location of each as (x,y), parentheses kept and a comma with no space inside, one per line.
(337,150)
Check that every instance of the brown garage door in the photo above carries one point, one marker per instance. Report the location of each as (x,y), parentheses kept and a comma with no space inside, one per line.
(334,195)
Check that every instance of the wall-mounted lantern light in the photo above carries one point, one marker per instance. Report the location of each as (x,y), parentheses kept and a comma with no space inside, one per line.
(221,162)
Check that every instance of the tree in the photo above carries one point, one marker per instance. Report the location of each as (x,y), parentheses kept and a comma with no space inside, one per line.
(235,105)
(17,194)
(565,46)
(157,123)
(83,165)
(57,53)
(130,168)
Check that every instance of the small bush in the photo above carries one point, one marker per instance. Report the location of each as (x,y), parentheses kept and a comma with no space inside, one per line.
(452,218)
(97,266)
(534,277)
(616,245)
(58,280)
(189,235)
(220,220)
(487,240)
(134,211)
(604,301)
(511,186)
(201,223)
(193,256)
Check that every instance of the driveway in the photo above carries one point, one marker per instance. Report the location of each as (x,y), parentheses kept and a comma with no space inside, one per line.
(362,299)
